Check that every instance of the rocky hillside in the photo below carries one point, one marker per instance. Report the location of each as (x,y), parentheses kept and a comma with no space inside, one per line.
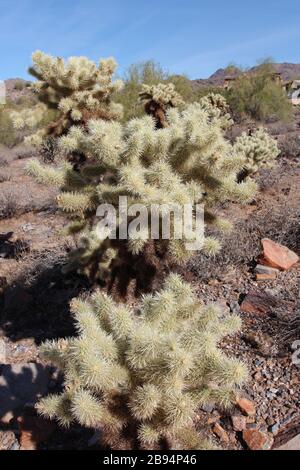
(287,70)
(17,88)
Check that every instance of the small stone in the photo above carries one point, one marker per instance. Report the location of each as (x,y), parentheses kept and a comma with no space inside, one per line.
(258,302)
(213,282)
(263,428)
(246,406)
(275,428)
(257,376)
(15,446)
(278,256)
(232,438)
(208,407)
(7,440)
(3,358)
(265,277)
(221,433)
(239,423)
(258,362)
(213,419)
(261,269)
(250,419)
(252,425)
(235,307)
(257,440)
(27,227)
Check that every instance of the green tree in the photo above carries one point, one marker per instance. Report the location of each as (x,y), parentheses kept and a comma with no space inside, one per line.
(259,95)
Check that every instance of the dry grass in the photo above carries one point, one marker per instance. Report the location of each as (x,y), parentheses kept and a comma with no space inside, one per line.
(3,161)
(290,146)
(8,205)
(5,177)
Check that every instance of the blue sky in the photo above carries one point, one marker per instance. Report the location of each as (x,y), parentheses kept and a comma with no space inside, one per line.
(184,36)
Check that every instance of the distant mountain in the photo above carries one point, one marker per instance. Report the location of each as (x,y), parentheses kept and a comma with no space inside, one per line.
(287,70)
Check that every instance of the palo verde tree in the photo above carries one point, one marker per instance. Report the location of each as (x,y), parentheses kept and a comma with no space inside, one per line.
(258,94)
(141,375)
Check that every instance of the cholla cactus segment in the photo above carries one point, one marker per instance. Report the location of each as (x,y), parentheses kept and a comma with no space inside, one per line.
(147,372)
(218,109)
(28,117)
(76,88)
(163,94)
(158,98)
(259,150)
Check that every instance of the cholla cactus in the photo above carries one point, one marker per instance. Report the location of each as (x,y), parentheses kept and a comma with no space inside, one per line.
(259,149)
(158,98)
(187,162)
(169,156)
(144,374)
(77,88)
(27,117)
(218,108)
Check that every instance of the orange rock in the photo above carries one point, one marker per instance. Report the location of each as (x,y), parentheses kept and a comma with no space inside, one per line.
(34,430)
(258,302)
(257,440)
(278,256)
(221,433)
(246,406)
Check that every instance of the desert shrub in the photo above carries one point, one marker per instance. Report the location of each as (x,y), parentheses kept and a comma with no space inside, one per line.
(24,101)
(148,73)
(8,135)
(8,205)
(257,95)
(200,92)
(290,146)
(19,85)
(143,374)
(4,177)
(3,161)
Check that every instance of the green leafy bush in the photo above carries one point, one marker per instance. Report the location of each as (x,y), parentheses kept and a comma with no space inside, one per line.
(259,96)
